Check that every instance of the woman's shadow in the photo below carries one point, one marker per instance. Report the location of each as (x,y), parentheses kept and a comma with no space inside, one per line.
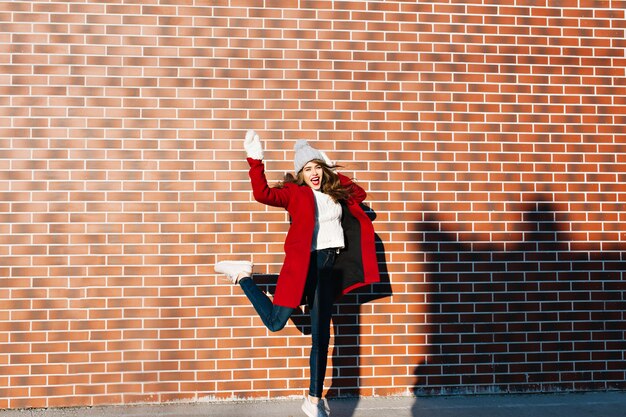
(522,294)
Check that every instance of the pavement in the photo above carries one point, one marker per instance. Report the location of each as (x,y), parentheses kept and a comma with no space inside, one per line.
(594,404)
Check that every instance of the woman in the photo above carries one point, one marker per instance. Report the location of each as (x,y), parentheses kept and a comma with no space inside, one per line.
(329,250)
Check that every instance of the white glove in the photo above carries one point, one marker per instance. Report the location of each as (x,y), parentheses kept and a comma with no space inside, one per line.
(252,145)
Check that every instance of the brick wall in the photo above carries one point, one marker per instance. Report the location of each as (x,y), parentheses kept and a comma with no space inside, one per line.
(489,134)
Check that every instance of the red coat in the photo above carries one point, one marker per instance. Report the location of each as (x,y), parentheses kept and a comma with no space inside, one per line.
(355,266)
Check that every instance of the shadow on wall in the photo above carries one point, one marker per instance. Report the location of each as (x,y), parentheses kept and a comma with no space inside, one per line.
(541,314)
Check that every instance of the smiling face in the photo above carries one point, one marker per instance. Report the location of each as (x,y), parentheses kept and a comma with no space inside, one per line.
(313,175)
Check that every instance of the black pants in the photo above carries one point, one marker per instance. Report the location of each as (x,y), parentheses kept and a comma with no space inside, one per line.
(319,291)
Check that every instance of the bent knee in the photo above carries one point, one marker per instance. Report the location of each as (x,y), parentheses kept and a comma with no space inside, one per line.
(276,327)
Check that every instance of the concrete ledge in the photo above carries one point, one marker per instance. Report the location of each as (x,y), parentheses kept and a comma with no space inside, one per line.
(595,404)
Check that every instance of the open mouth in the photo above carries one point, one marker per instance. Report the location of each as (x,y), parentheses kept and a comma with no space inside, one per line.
(315,180)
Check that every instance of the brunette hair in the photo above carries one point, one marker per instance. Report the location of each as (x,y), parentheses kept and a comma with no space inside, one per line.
(331,184)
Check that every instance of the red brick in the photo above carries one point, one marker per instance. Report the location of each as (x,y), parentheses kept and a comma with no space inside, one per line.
(464,117)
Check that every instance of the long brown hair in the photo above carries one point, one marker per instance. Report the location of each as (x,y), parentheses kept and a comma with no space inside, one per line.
(331,184)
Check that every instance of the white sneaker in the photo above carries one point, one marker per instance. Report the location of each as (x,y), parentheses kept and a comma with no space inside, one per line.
(233,269)
(320,409)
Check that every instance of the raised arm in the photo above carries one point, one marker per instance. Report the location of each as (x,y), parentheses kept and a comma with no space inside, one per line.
(262,192)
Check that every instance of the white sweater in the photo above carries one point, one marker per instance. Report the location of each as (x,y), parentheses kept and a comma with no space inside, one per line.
(328,232)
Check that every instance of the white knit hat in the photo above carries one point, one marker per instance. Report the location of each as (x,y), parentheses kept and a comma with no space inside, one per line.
(304,153)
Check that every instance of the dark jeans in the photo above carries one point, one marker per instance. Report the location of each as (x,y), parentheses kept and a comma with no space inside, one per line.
(319,291)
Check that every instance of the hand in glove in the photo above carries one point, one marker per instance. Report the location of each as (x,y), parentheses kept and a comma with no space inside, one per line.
(252,145)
